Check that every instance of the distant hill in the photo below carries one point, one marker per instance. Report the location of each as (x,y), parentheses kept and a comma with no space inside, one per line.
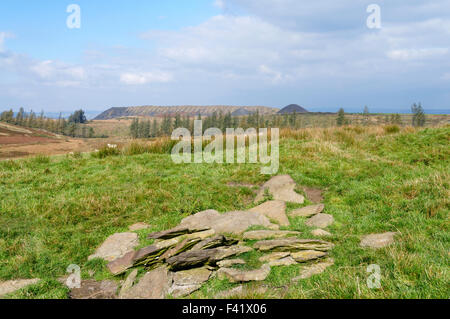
(156,111)
(292,108)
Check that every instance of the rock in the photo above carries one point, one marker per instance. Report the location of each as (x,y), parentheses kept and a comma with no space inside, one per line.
(307,255)
(287,261)
(223,253)
(191,276)
(230,262)
(116,246)
(320,233)
(266,234)
(235,222)
(198,258)
(128,283)
(121,264)
(274,256)
(151,255)
(138,226)
(175,232)
(293,244)
(11,286)
(185,245)
(153,285)
(378,240)
(187,281)
(313,194)
(320,221)
(216,241)
(314,269)
(91,289)
(274,210)
(281,188)
(235,275)
(307,211)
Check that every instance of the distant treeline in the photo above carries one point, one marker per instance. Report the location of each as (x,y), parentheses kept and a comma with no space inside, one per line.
(73,126)
(141,128)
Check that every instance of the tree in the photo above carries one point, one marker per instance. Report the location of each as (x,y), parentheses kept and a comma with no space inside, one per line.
(366,115)
(341,117)
(78,117)
(418,115)
(134,128)
(20,116)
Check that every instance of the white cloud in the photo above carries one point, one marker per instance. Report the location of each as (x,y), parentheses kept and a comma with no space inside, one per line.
(413,54)
(219,4)
(145,77)
(3,36)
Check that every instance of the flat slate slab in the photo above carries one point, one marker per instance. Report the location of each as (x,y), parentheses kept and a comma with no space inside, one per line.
(11,286)
(153,285)
(274,210)
(320,221)
(91,289)
(313,194)
(307,211)
(268,234)
(235,222)
(116,246)
(320,233)
(314,269)
(292,245)
(235,275)
(282,188)
(378,240)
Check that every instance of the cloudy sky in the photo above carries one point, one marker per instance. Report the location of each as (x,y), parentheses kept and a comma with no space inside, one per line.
(319,54)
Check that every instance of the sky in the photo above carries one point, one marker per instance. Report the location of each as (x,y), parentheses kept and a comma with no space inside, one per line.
(319,54)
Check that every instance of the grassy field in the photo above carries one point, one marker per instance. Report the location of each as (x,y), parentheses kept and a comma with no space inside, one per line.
(54,211)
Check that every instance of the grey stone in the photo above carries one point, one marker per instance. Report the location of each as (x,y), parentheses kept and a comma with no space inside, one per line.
(378,240)
(191,276)
(197,258)
(286,261)
(314,269)
(128,283)
(11,286)
(293,244)
(307,211)
(91,289)
(274,210)
(235,275)
(153,285)
(274,256)
(216,241)
(235,222)
(266,234)
(281,188)
(320,221)
(176,232)
(116,246)
(230,262)
(320,233)
(307,255)
(151,255)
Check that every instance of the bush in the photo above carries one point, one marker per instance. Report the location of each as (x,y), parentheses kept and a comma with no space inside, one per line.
(106,151)
(391,129)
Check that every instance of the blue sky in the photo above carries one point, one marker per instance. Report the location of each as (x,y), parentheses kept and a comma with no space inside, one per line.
(319,54)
